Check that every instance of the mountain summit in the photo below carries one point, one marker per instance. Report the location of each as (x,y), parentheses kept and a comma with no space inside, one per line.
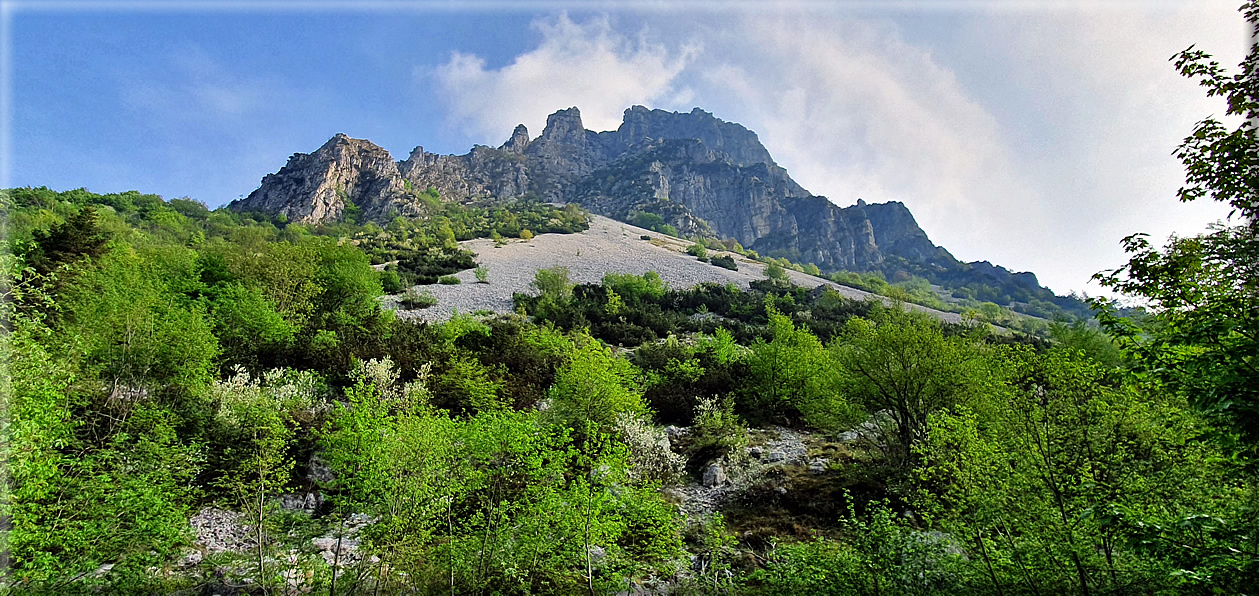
(700,174)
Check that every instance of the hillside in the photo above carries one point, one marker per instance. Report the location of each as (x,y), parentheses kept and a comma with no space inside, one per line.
(691,174)
(608,246)
(214,402)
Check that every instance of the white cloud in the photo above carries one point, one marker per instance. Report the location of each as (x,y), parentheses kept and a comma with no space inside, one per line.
(1031,138)
(854,110)
(589,65)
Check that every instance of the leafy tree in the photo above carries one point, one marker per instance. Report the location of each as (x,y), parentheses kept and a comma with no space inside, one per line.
(79,236)
(775,273)
(138,332)
(257,414)
(594,386)
(1031,478)
(794,377)
(553,284)
(1203,340)
(901,362)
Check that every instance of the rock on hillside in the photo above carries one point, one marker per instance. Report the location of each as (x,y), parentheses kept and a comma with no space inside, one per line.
(704,176)
(314,187)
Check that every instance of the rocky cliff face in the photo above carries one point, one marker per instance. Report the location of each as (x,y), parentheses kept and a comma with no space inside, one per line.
(703,175)
(314,187)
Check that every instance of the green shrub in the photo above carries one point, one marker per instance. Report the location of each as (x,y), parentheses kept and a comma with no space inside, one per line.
(594,387)
(482,274)
(391,282)
(822,567)
(775,272)
(698,251)
(553,283)
(644,237)
(717,430)
(414,299)
(726,262)
(635,289)
(448,280)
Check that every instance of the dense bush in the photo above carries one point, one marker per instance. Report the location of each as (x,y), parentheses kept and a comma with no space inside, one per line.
(725,262)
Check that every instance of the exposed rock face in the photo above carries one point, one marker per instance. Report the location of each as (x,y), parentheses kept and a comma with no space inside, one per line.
(740,145)
(702,175)
(483,172)
(314,187)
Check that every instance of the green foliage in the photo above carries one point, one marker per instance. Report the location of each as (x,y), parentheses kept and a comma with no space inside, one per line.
(414,298)
(725,262)
(553,285)
(649,221)
(135,329)
(258,418)
(717,430)
(79,236)
(466,385)
(595,387)
(448,280)
(391,282)
(794,378)
(1032,477)
(774,272)
(697,250)
(351,213)
(636,289)
(820,566)
(1090,340)
(482,274)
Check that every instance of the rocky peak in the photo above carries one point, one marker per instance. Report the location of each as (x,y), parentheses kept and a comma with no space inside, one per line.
(896,231)
(565,150)
(342,169)
(564,125)
(740,145)
(519,140)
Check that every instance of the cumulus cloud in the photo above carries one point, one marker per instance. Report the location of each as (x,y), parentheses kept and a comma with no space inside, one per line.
(589,65)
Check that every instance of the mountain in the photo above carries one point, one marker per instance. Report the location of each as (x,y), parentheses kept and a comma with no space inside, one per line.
(693,171)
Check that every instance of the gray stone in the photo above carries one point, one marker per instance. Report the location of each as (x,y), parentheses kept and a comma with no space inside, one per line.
(718,179)
(714,475)
(318,472)
(219,530)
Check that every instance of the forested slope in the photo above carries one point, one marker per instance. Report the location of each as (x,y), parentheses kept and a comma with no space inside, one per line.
(211,402)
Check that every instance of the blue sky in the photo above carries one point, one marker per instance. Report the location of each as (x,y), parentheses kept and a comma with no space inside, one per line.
(1031,134)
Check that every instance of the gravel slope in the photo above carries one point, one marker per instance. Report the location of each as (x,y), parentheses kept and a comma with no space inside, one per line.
(609,246)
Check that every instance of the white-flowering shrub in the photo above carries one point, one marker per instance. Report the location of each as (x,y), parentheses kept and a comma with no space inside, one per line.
(651,458)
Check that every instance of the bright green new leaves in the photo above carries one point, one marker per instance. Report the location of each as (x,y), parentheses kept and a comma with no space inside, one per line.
(1031,479)
(595,386)
(135,328)
(901,363)
(795,378)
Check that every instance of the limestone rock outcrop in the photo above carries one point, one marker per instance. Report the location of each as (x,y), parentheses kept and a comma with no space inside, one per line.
(314,187)
(702,175)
